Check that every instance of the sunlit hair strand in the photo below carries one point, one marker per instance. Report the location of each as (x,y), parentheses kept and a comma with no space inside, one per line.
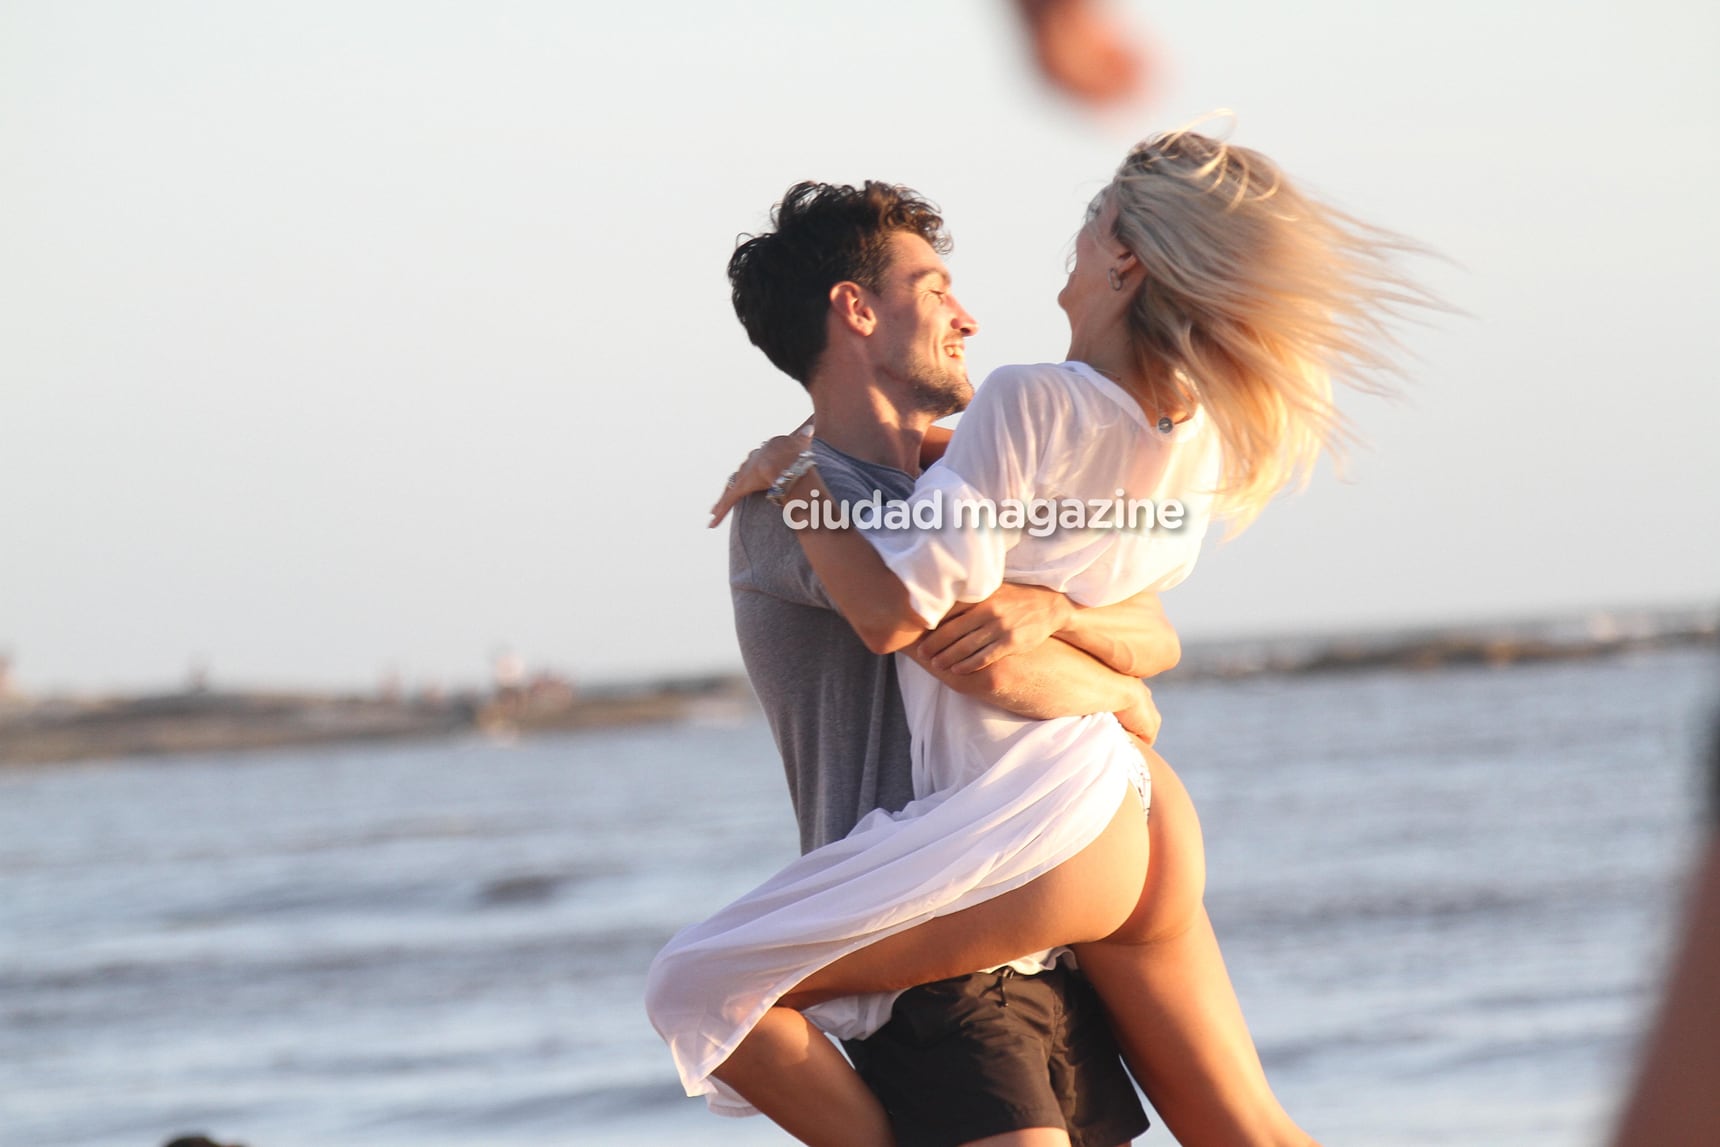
(1255,297)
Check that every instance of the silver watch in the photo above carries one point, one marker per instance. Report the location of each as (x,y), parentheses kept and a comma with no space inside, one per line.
(778,492)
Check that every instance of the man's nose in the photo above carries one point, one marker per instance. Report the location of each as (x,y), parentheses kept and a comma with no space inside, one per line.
(963,322)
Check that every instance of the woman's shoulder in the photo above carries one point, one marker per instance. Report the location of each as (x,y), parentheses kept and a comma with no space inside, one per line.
(1069,394)
(1032,375)
(1037,388)
(1018,411)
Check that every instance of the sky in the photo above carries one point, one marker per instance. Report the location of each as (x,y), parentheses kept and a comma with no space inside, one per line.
(342,340)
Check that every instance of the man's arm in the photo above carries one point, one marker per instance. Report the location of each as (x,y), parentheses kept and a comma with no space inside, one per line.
(1055,680)
(1132,636)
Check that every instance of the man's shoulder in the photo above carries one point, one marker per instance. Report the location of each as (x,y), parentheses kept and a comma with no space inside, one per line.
(853,479)
(765,558)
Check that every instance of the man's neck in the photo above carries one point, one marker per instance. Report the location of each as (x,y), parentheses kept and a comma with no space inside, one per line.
(864,421)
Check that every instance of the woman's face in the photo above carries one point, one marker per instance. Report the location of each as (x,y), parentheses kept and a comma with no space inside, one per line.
(1088,295)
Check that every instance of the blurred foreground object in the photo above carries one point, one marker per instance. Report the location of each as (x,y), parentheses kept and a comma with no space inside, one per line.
(1676,1097)
(1083,49)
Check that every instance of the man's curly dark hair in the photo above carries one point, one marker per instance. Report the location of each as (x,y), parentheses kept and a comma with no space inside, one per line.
(825,234)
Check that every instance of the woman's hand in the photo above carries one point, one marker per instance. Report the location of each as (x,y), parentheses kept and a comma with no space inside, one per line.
(761,468)
(1141,719)
(1015,619)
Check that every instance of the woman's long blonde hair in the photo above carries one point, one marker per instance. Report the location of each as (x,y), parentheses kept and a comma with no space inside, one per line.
(1255,297)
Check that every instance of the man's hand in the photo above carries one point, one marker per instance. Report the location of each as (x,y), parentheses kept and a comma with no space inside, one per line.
(761,468)
(1055,680)
(1141,718)
(1015,619)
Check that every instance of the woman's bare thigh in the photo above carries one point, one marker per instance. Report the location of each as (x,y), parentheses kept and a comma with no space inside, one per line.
(1086,897)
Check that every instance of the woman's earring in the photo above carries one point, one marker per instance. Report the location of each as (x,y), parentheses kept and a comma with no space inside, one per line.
(1116,280)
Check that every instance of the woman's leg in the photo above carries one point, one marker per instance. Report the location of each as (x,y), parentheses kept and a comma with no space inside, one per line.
(1087,897)
(1157,967)
(782,1068)
(794,1075)
(1170,999)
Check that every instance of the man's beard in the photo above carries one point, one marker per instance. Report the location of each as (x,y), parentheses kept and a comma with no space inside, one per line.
(937,390)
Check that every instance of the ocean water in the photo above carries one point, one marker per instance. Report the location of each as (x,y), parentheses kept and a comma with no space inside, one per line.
(1444,897)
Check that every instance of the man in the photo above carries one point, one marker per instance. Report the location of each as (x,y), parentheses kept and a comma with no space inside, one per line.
(849,296)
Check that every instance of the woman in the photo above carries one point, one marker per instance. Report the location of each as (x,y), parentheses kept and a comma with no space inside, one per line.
(1209,303)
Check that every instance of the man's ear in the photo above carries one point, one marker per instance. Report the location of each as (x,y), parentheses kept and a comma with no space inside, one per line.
(848,303)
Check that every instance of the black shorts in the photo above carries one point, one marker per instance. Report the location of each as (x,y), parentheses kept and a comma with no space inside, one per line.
(994,1052)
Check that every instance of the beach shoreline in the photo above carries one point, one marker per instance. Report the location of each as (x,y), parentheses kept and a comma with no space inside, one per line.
(52,730)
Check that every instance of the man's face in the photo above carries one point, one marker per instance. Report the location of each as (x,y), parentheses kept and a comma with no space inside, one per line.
(922,329)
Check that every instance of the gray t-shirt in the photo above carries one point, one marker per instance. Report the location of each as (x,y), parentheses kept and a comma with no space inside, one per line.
(833,704)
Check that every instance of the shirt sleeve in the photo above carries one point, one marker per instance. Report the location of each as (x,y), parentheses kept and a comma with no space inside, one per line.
(995,455)
(765,556)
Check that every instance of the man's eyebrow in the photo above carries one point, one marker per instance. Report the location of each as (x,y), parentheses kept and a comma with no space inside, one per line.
(929,272)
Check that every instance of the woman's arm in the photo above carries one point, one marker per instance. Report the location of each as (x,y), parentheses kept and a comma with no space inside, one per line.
(864,590)
(760,469)
(894,585)
(870,597)
(948,559)
(933,445)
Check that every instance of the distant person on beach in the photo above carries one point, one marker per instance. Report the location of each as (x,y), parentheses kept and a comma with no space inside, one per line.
(1023,1052)
(1210,303)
